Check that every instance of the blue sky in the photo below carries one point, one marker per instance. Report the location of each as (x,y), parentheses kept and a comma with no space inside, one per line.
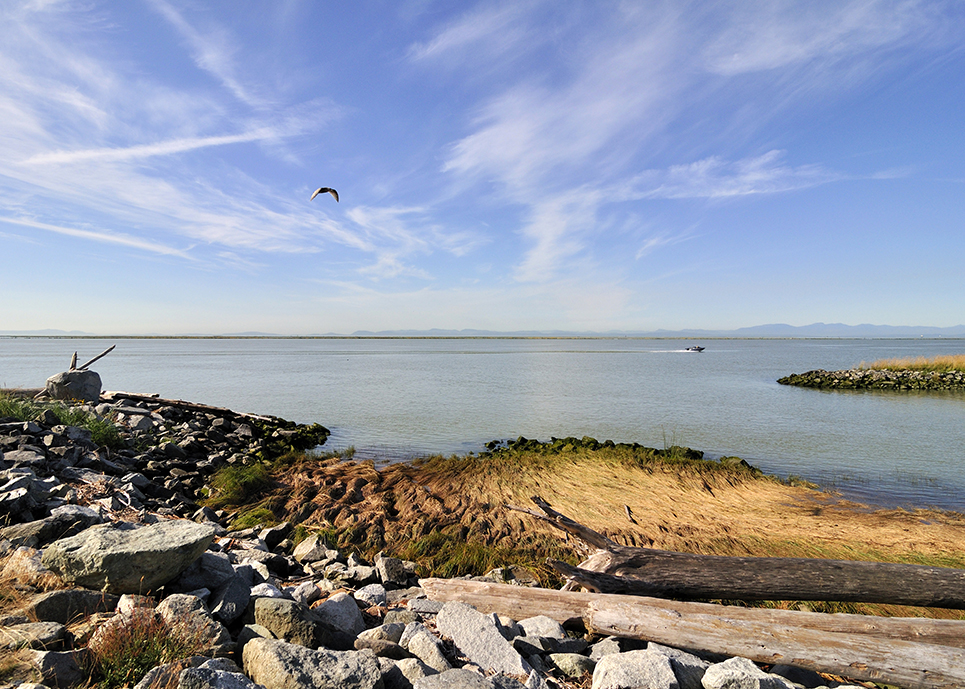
(501,165)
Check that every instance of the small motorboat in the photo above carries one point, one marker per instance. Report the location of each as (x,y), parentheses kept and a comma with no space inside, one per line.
(695,348)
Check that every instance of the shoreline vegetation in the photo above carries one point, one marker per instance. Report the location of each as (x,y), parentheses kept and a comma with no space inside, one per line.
(913,373)
(267,489)
(450,514)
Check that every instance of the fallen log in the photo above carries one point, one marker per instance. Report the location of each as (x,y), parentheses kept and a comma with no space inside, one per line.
(873,649)
(650,572)
(193,406)
(521,602)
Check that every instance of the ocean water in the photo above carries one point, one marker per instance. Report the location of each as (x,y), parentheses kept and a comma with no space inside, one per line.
(394,399)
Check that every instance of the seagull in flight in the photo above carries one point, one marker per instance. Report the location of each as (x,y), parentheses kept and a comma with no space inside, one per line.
(322,190)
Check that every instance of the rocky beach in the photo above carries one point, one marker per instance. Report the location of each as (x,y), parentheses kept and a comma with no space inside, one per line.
(105,536)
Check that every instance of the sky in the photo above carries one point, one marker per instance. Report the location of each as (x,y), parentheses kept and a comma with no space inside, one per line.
(522,165)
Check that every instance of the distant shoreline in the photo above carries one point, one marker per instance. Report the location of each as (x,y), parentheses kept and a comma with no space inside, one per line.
(718,338)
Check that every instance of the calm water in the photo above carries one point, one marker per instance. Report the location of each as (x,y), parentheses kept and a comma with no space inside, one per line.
(393,399)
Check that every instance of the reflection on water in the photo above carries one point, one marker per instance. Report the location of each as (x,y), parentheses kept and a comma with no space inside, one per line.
(395,399)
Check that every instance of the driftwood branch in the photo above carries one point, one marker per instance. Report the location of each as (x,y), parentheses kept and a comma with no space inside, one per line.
(662,573)
(223,411)
(910,652)
(73,362)
(84,367)
(566,524)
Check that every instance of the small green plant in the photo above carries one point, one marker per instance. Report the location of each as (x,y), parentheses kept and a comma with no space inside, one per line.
(120,655)
(103,431)
(235,484)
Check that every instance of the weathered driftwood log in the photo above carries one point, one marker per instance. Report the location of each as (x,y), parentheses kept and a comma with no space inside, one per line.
(649,572)
(73,361)
(856,646)
(116,394)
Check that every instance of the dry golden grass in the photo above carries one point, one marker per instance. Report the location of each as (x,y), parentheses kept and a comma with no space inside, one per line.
(450,514)
(938,364)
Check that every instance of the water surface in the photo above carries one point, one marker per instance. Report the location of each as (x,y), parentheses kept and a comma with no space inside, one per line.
(397,398)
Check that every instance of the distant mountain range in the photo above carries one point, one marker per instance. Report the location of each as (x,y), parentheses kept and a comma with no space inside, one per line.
(778,330)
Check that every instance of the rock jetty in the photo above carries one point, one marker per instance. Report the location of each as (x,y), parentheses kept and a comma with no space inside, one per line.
(99,541)
(877,379)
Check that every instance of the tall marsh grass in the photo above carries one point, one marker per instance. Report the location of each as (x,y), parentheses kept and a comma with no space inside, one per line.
(937,364)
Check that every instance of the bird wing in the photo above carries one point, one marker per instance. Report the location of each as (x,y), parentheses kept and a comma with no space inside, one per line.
(323,190)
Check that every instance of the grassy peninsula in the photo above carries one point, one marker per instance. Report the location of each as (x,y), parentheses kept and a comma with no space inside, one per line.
(913,373)
(450,514)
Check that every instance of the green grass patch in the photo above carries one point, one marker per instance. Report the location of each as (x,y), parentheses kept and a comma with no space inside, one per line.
(103,431)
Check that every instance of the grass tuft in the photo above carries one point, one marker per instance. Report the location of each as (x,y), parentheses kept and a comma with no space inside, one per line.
(103,431)
(122,654)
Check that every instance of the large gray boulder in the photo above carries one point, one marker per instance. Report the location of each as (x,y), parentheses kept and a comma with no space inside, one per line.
(75,385)
(279,665)
(634,669)
(124,558)
(287,620)
(454,679)
(68,605)
(341,612)
(67,520)
(477,636)
(741,673)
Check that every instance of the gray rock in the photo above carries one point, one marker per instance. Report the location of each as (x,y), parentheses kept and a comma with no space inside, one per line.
(253,631)
(207,678)
(120,558)
(312,549)
(402,617)
(419,642)
(572,664)
(279,665)
(373,594)
(167,675)
(633,670)
(425,607)
(274,535)
(287,620)
(799,675)
(453,679)
(188,612)
(60,668)
(74,385)
(478,638)
(536,681)
(740,673)
(45,636)
(306,593)
(67,605)
(66,520)
(231,600)
(385,632)
(544,626)
(400,674)
(391,570)
(383,648)
(210,571)
(688,668)
(341,612)
(266,590)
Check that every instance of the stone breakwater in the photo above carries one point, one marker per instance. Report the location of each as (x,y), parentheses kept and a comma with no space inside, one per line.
(874,379)
(104,526)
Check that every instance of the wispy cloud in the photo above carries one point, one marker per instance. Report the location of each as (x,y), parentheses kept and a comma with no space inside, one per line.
(101,236)
(713,178)
(148,150)
(487,31)
(213,52)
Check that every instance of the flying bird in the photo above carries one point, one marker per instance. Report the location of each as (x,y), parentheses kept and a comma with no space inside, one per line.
(322,190)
